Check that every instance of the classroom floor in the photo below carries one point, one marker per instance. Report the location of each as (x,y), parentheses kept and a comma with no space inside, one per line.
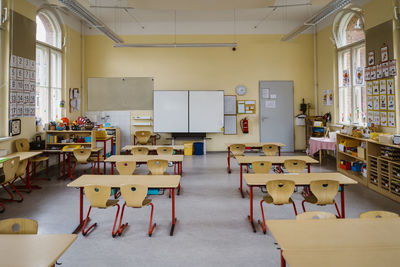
(212,227)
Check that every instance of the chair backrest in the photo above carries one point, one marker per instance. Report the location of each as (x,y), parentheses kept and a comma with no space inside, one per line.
(10,167)
(261,166)
(280,191)
(376,214)
(270,150)
(143,137)
(237,149)
(157,166)
(20,226)
(140,151)
(21,168)
(310,215)
(165,150)
(134,195)
(294,165)
(22,145)
(82,154)
(325,191)
(125,167)
(98,195)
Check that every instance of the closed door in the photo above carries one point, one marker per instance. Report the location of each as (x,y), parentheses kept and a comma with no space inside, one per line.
(276,113)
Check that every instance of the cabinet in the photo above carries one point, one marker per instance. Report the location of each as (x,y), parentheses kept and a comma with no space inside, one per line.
(55,140)
(116,133)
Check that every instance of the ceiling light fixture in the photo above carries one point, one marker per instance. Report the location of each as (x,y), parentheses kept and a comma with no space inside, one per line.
(173,45)
(325,12)
(87,16)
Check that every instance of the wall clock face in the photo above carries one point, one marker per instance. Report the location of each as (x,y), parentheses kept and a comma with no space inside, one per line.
(15,127)
(241,90)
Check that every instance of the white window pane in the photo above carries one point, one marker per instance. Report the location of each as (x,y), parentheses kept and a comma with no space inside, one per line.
(55,103)
(42,66)
(56,69)
(42,104)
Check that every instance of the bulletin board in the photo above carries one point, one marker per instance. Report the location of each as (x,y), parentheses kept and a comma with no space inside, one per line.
(380,76)
(246,107)
(22,73)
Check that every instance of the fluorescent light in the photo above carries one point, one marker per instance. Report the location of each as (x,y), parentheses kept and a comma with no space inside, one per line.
(85,14)
(325,12)
(179,45)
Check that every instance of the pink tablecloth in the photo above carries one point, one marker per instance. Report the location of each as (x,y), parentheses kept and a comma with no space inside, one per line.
(318,143)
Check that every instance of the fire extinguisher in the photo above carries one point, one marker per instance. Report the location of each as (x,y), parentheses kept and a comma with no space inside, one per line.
(244,124)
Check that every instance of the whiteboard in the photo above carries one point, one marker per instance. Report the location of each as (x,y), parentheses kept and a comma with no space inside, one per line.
(171,111)
(206,111)
(130,93)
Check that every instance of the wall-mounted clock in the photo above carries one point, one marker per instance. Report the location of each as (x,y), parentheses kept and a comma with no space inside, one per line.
(241,90)
(15,127)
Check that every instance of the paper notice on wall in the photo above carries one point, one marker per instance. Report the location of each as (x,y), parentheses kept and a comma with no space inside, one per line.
(265,93)
(391,119)
(273,96)
(324,97)
(270,104)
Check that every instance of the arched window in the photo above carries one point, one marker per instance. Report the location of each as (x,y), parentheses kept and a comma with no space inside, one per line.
(348,30)
(48,67)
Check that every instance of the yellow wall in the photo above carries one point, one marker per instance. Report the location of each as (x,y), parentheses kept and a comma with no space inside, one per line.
(258,57)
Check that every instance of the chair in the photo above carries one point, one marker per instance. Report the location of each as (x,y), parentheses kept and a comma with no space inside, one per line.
(165,150)
(261,166)
(82,156)
(142,137)
(237,149)
(125,167)
(157,167)
(375,214)
(10,167)
(20,173)
(322,193)
(22,145)
(20,226)
(294,165)
(270,150)
(279,193)
(140,151)
(310,215)
(98,197)
(135,197)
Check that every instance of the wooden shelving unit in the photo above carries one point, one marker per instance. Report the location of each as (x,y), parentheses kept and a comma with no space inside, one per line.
(68,135)
(383,172)
(116,133)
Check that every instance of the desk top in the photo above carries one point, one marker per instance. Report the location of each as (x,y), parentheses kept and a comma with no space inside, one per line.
(153,181)
(336,234)
(256,145)
(273,159)
(299,178)
(144,158)
(149,147)
(96,149)
(33,250)
(22,155)
(366,257)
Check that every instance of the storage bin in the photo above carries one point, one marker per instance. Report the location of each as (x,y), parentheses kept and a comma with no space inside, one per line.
(350,142)
(356,167)
(198,148)
(188,148)
(361,152)
(386,139)
(101,134)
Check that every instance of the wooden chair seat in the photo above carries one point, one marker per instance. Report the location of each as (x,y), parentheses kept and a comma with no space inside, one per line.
(312,199)
(268,199)
(39,159)
(111,202)
(18,226)
(377,214)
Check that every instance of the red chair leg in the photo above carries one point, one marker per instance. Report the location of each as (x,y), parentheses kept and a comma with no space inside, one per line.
(18,193)
(94,167)
(302,204)
(121,226)
(151,226)
(11,194)
(263,226)
(337,209)
(3,208)
(114,233)
(73,169)
(294,207)
(84,233)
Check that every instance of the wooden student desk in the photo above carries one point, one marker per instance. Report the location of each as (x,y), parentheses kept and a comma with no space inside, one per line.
(176,159)
(337,239)
(33,250)
(299,179)
(128,148)
(151,181)
(275,160)
(252,146)
(23,156)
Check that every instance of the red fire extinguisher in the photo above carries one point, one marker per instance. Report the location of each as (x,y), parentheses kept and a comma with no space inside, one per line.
(244,124)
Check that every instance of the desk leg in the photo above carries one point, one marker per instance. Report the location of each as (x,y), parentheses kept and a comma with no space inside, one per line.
(28,176)
(229,159)
(174,220)
(250,217)
(63,171)
(342,201)
(320,157)
(112,168)
(105,152)
(283,262)
(279,150)
(98,162)
(69,166)
(308,167)
(241,178)
(79,227)
(112,146)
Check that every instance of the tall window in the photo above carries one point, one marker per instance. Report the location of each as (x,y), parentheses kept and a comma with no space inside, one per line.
(48,67)
(350,40)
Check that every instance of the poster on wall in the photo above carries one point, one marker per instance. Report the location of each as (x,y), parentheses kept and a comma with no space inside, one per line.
(390,87)
(359,75)
(371,58)
(392,67)
(367,73)
(382,87)
(346,77)
(384,53)
(369,88)
(376,102)
(384,119)
(375,87)
(379,71)
(370,116)
(391,102)
(385,70)
(324,97)
(391,119)
(330,97)
(373,72)
(377,119)
(383,103)
(370,102)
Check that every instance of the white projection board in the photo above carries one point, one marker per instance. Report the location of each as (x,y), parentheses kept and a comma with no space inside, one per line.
(171,111)
(206,111)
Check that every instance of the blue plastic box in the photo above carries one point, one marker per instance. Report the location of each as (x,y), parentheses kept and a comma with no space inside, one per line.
(198,148)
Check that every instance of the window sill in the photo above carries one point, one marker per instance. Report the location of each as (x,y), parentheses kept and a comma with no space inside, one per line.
(6,138)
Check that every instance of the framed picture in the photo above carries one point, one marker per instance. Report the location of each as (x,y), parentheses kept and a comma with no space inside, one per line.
(384,53)
(371,58)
